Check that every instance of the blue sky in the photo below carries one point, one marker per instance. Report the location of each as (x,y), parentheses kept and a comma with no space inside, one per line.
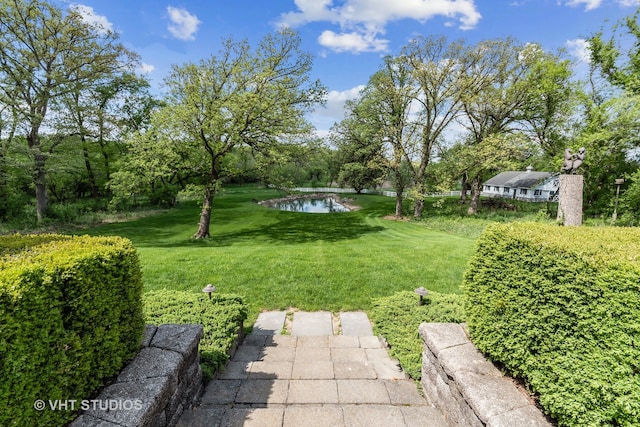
(347,37)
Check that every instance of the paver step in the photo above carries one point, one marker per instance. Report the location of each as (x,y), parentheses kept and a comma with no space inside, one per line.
(354,323)
(312,377)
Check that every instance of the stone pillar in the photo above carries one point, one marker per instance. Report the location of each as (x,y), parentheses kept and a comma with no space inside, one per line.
(570,199)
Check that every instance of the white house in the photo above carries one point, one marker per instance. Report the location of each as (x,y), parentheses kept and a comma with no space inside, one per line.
(528,186)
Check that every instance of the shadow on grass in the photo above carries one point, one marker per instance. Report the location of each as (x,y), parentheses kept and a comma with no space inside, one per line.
(235,221)
(292,228)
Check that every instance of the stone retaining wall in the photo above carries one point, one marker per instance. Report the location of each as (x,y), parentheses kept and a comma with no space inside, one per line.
(468,389)
(155,387)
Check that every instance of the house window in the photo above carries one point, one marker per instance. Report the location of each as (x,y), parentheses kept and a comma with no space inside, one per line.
(505,190)
(486,188)
(537,193)
(496,189)
(523,191)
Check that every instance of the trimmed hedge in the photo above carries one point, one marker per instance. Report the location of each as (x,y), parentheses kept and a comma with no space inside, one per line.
(70,317)
(560,307)
(397,318)
(221,317)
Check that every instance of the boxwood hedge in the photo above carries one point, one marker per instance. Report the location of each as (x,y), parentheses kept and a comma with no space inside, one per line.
(560,307)
(70,316)
(221,317)
(397,318)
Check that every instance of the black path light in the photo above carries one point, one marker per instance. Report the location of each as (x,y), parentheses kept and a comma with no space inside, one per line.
(422,292)
(209,289)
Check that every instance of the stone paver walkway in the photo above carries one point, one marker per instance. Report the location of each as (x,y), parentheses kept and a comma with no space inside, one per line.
(312,378)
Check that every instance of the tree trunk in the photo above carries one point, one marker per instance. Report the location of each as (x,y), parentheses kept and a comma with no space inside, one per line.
(205,215)
(40,181)
(398,204)
(399,187)
(4,185)
(417,211)
(475,196)
(463,189)
(87,164)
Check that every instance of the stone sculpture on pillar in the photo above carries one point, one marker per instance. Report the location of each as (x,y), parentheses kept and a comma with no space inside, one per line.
(571,187)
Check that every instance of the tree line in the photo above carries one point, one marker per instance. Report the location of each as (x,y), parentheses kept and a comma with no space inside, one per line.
(447,113)
(78,123)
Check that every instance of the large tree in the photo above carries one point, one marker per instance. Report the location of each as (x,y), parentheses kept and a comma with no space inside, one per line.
(389,95)
(608,57)
(437,67)
(360,149)
(239,97)
(499,91)
(100,116)
(549,113)
(46,53)
(610,125)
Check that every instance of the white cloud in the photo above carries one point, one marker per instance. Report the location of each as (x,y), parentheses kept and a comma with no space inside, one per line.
(352,42)
(183,25)
(90,17)
(340,97)
(147,68)
(334,107)
(310,11)
(594,4)
(333,111)
(589,4)
(362,21)
(579,49)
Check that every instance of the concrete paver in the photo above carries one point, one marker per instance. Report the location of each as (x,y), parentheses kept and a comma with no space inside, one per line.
(348,355)
(271,370)
(343,341)
(354,370)
(307,370)
(269,323)
(263,391)
(313,391)
(373,415)
(312,324)
(362,391)
(355,324)
(370,342)
(322,416)
(277,353)
(253,417)
(221,392)
(235,370)
(312,378)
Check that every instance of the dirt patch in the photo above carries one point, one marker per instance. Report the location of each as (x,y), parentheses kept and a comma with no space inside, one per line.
(397,218)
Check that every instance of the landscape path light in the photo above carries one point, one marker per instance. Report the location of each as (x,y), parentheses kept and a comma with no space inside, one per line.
(422,292)
(209,289)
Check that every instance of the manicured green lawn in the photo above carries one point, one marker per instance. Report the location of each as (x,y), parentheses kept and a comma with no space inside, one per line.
(277,259)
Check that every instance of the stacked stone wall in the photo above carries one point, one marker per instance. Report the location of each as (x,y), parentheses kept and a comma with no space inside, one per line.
(154,389)
(468,389)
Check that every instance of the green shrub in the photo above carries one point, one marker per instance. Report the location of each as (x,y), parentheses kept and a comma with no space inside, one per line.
(560,307)
(16,243)
(398,317)
(220,316)
(70,316)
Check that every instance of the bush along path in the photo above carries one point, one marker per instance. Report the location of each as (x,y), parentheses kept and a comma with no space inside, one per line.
(311,376)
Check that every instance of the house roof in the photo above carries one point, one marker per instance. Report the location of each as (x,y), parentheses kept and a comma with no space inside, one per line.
(518,179)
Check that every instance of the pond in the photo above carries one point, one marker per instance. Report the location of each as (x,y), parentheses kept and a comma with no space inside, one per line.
(310,205)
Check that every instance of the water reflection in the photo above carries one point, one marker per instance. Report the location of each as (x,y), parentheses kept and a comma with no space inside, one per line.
(323,205)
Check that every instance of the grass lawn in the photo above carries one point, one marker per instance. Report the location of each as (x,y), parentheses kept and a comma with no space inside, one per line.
(277,259)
